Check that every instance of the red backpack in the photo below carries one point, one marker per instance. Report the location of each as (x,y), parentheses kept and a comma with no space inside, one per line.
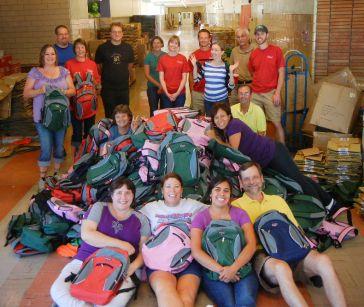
(101,276)
(85,98)
(161,123)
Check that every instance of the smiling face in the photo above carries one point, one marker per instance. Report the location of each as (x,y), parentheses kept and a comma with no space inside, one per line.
(216,52)
(157,45)
(122,199)
(261,37)
(220,194)
(204,40)
(251,181)
(50,57)
(80,50)
(172,191)
(173,46)
(244,94)
(62,36)
(122,120)
(221,119)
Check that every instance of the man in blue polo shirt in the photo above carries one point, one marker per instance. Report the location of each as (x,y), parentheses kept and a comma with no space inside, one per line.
(63,47)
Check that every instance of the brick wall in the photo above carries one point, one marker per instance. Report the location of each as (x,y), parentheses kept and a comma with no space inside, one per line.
(27,25)
(339,37)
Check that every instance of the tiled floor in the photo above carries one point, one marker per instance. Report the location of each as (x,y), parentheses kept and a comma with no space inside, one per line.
(26,282)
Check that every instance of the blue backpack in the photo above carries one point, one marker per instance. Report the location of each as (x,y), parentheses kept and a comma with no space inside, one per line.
(280,238)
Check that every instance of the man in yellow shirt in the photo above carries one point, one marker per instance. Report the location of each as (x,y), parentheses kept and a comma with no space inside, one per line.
(248,112)
(275,274)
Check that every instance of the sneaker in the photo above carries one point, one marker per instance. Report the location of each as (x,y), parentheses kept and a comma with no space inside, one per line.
(41,184)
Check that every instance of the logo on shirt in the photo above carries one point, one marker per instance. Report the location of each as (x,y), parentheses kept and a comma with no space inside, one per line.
(270,57)
(116,58)
(179,62)
(117,226)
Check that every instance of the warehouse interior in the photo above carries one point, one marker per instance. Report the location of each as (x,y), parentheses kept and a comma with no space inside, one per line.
(323,44)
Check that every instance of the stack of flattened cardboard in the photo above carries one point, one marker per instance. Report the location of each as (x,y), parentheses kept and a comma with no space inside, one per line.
(359,200)
(343,160)
(310,161)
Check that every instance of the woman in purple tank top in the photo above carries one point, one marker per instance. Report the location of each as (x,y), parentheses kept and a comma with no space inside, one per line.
(113,224)
(265,151)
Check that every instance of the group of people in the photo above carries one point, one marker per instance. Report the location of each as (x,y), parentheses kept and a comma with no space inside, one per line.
(258,75)
(117,224)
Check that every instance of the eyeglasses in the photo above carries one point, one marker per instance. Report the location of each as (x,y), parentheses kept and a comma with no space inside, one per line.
(244,94)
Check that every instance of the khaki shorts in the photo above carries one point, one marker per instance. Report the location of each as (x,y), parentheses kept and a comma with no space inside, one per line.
(233,98)
(197,101)
(259,261)
(265,101)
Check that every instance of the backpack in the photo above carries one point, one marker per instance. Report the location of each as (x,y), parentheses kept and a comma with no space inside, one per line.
(179,112)
(101,276)
(35,239)
(91,195)
(80,168)
(148,170)
(161,123)
(122,143)
(108,169)
(169,249)
(178,154)
(67,211)
(55,113)
(273,187)
(195,128)
(291,185)
(85,98)
(338,231)
(224,240)
(142,190)
(280,238)
(222,151)
(70,196)
(16,225)
(308,211)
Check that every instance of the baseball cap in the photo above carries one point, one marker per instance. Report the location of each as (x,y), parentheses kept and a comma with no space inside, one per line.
(260,28)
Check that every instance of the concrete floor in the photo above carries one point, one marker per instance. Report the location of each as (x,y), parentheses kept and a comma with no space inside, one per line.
(26,281)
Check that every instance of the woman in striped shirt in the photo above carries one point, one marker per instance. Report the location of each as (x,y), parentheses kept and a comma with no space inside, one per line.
(218,76)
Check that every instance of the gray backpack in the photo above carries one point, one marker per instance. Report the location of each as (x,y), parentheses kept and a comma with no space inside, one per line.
(55,113)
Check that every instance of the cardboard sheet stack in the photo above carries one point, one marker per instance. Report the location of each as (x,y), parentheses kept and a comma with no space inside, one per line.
(310,161)
(359,200)
(343,160)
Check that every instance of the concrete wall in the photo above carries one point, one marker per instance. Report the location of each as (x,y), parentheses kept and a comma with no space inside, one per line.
(27,25)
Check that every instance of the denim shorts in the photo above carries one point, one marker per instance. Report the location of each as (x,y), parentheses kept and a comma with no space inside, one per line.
(194,268)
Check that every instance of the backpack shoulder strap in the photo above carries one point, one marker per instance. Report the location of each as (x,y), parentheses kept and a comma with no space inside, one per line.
(78,79)
(89,77)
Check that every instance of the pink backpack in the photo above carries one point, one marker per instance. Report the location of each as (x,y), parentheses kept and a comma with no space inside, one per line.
(336,230)
(67,211)
(195,129)
(169,249)
(150,160)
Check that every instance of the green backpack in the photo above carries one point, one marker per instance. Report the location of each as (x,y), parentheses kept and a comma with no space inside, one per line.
(223,151)
(308,211)
(273,187)
(34,238)
(55,113)
(108,169)
(16,225)
(224,240)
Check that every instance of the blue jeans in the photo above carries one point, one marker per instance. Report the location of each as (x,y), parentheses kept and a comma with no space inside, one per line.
(50,141)
(238,294)
(154,99)
(179,102)
(80,129)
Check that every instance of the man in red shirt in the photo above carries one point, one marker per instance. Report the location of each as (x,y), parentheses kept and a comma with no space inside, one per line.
(266,64)
(202,55)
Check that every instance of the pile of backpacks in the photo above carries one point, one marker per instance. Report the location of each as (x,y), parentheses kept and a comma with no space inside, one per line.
(173,140)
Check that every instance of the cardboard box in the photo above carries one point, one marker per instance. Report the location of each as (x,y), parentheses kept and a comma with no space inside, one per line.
(335,107)
(320,139)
